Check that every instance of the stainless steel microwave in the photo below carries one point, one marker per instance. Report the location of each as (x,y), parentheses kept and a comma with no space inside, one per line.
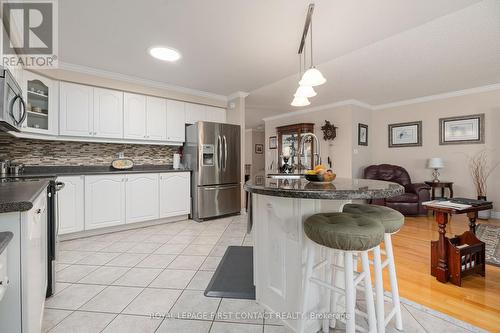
(12,105)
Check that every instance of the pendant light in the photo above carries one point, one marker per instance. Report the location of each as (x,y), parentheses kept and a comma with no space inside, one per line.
(300,101)
(304,91)
(312,77)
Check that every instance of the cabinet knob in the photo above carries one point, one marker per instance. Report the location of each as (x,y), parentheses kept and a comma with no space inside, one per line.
(90,133)
(38,211)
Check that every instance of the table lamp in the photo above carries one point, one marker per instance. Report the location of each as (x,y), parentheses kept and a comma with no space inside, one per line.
(435,163)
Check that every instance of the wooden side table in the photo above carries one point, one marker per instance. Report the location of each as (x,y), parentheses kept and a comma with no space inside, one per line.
(442,185)
(441,256)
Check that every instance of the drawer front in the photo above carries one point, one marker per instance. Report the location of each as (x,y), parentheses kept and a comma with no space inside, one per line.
(218,200)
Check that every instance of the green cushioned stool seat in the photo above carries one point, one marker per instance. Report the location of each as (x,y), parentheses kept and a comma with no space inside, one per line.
(344,231)
(391,219)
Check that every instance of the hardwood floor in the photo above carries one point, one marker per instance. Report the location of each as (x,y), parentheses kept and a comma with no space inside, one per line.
(476,302)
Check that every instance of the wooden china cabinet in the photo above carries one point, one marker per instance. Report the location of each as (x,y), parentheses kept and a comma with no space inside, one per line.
(290,141)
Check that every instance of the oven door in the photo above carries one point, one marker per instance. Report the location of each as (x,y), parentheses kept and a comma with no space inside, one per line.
(52,232)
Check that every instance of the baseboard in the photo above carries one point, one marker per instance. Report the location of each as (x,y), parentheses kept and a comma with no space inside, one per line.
(121,227)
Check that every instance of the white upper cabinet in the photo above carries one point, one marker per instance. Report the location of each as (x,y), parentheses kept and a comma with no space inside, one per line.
(215,114)
(40,95)
(195,112)
(134,116)
(76,109)
(108,113)
(142,197)
(176,120)
(156,118)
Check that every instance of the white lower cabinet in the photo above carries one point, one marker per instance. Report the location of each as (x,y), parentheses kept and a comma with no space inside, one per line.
(142,201)
(93,202)
(175,192)
(104,201)
(22,305)
(71,204)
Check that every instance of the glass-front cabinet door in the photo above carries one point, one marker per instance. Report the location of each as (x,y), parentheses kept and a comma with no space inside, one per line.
(290,157)
(40,96)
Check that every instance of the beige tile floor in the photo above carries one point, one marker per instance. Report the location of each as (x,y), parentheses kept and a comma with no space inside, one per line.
(152,280)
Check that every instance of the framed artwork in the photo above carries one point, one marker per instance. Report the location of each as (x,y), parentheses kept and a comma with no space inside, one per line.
(362,135)
(273,142)
(259,148)
(405,134)
(461,130)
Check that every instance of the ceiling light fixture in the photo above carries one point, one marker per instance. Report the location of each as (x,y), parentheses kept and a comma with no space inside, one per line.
(312,77)
(300,101)
(305,91)
(164,53)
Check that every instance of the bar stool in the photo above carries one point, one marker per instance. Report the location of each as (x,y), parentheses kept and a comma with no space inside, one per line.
(392,221)
(347,235)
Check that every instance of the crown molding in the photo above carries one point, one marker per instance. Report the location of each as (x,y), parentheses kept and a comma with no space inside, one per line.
(136,80)
(347,102)
(355,102)
(238,94)
(457,93)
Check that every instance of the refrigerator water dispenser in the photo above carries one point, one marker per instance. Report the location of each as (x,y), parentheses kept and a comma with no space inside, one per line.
(208,155)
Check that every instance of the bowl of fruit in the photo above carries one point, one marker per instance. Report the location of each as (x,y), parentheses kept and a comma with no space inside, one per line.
(320,175)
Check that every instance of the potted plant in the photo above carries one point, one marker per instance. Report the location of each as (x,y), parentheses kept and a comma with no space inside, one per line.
(480,172)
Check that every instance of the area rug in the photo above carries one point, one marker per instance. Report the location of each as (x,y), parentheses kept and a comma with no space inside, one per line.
(490,235)
(234,275)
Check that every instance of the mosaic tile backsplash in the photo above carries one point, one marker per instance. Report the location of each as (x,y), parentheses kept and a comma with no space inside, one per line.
(56,153)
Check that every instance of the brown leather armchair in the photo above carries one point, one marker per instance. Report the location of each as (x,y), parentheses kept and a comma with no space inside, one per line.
(409,203)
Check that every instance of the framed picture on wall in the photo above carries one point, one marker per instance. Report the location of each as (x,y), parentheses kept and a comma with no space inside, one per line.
(259,148)
(461,130)
(405,134)
(362,135)
(273,142)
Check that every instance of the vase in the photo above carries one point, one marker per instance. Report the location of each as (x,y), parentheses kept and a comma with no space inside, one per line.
(484,214)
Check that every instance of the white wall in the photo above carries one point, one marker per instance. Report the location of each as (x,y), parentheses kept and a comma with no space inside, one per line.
(248,146)
(258,160)
(350,159)
(361,155)
(455,156)
(340,150)
(236,115)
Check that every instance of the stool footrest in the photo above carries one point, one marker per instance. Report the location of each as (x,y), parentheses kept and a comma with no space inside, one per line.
(359,277)
(320,265)
(328,286)
(358,328)
(389,316)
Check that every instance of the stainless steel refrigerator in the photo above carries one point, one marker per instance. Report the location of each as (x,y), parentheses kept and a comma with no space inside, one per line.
(212,151)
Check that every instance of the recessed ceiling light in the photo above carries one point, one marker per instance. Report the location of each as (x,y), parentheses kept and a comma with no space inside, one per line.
(164,53)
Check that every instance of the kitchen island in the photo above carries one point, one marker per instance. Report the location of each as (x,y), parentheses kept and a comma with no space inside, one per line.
(279,208)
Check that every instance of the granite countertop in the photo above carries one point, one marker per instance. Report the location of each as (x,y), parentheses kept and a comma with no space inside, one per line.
(19,196)
(5,238)
(340,189)
(54,171)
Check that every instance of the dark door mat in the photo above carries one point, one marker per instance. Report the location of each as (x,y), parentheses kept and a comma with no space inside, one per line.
(234,275)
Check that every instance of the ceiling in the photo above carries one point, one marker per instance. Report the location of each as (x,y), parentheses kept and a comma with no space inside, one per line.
(373,51)
(453,52)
